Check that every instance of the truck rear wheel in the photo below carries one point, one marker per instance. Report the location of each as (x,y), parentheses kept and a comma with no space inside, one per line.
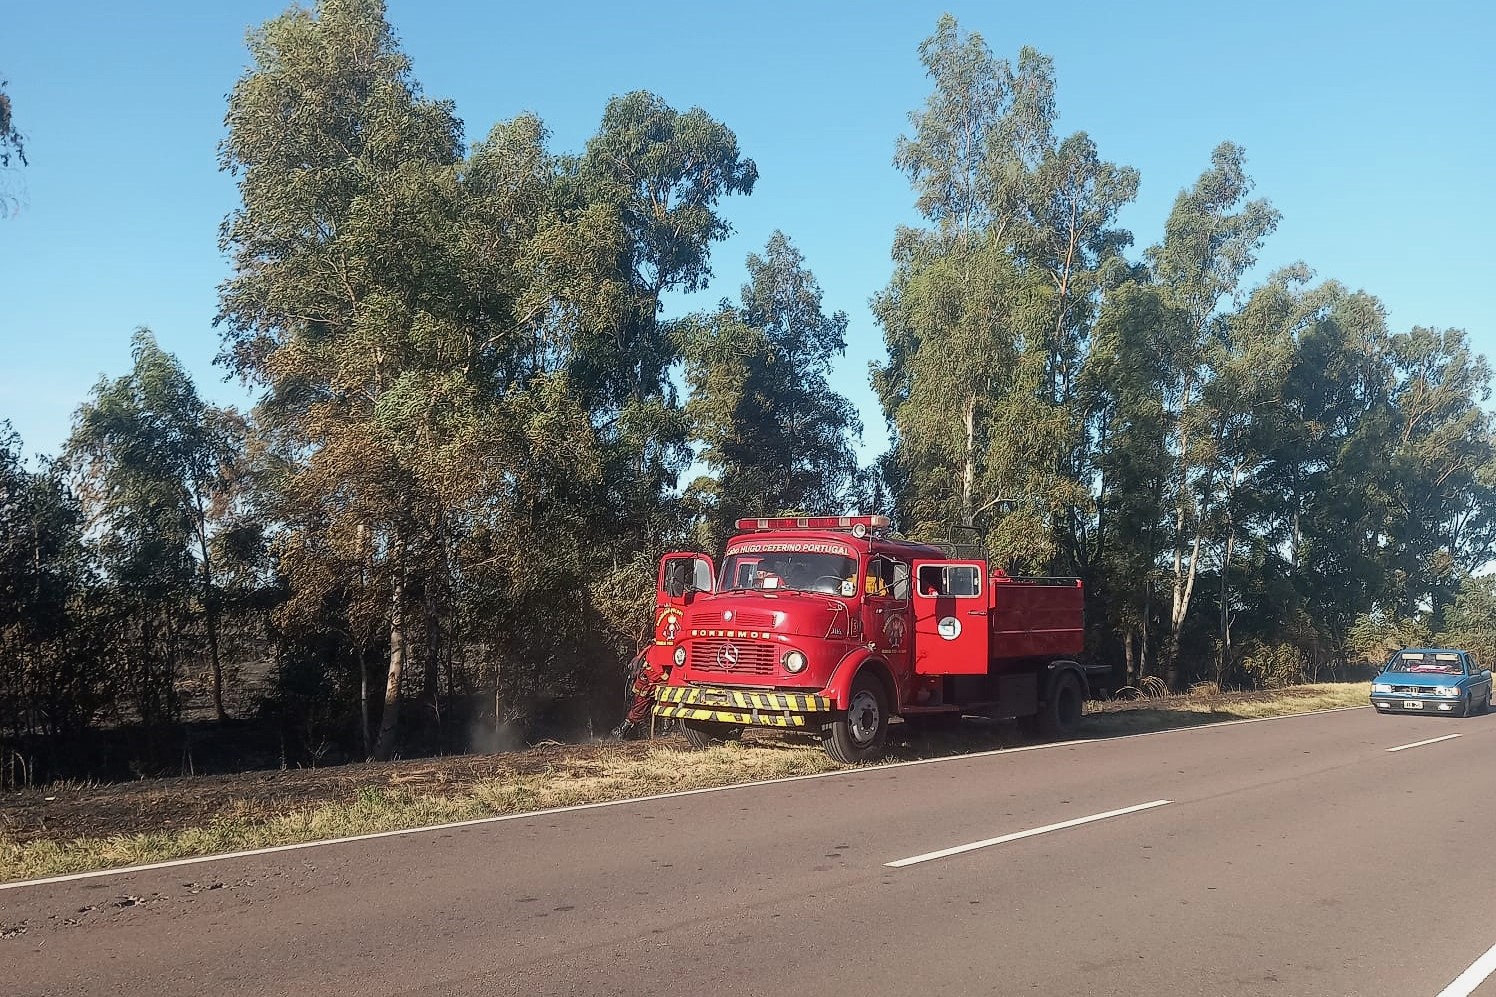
(1060,715)
(858,734)
(705,733)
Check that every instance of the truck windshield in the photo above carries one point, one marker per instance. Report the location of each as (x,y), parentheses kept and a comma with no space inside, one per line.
(802,571)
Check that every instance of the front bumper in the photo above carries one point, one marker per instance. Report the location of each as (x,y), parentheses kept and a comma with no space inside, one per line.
(1391,703)
(750,707)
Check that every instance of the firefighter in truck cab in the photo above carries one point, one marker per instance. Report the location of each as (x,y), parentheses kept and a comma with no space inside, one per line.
(833,626)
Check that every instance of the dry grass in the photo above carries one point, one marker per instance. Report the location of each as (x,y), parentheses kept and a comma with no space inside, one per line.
(405,799)
(388,808)
(1209,705)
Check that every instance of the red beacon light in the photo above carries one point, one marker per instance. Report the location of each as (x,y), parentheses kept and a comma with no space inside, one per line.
(858,526)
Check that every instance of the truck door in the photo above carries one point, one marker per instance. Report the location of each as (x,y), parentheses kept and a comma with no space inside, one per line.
(681,577)
(950,617)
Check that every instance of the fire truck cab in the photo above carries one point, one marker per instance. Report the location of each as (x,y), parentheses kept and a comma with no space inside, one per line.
(829,626)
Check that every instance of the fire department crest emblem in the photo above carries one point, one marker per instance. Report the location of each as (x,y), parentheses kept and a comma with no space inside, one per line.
(893,631)
(667,628)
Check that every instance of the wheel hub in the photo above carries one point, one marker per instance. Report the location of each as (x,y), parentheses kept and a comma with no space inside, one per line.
(862,717)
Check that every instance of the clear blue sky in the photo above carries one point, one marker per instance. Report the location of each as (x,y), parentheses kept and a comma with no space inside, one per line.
(1370,125)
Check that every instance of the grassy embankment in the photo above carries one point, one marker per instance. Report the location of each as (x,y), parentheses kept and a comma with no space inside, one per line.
(417,792)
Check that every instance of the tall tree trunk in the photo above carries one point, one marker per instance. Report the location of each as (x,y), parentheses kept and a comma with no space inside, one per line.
(1184,591)
(431,674)
(1143,637)
(1225,655)
(210,613)
(363,703)
(390,720)
(969,470)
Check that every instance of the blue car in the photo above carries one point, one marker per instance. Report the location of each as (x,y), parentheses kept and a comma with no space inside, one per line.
(1432,680)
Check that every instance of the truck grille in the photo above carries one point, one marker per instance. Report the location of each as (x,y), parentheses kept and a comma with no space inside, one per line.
(750,619)
(715,654)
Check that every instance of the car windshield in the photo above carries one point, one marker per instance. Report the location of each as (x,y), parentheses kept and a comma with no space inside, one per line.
(803,571)
(1438,664)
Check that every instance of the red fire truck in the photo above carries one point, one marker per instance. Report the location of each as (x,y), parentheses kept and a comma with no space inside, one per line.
(830,626)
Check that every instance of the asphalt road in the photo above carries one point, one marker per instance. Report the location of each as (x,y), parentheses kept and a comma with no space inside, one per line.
(1291,856)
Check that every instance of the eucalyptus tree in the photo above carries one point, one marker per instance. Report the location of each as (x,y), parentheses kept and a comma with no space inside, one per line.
(990,307)
(1242,407)
(774,433)
(51,684)
(1328,463)
(338,305)
(1441,525)
(1210,241)
(660,174)
(151,455)
(1123,391)
(963,386)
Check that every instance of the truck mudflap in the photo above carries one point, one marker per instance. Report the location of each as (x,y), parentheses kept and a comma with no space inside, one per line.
(742,706)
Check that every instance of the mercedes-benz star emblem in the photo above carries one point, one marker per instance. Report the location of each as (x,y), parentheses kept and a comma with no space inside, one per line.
(727,656)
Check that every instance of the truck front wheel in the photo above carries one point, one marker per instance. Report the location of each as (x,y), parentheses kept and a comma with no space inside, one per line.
(1061,713)
(705,733)
(858,734)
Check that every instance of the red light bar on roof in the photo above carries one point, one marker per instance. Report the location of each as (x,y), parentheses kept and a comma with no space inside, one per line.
(859,525)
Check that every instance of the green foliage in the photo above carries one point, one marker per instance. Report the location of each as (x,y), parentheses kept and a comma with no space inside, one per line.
(151,455)
(1471,621)
(1375,635)
(1273,666)
(775,435)
(990,309)
(52,681)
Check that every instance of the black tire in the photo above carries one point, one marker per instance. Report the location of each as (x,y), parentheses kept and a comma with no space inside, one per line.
(1485,704)
(1061,713)
(705,733)
(858,734)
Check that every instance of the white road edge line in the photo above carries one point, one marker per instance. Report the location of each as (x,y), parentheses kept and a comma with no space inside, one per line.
(499,818)
(1419,744)
(1466,982)
(958,849)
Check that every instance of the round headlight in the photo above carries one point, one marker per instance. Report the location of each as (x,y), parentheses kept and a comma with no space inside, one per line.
(794,661)
(680,656)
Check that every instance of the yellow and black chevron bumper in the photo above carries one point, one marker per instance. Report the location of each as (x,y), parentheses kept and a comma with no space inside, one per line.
(742,706)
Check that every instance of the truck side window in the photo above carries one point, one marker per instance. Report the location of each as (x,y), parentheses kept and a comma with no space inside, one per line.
(963,581)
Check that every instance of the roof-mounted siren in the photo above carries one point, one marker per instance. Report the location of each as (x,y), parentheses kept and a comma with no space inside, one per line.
(858,526)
